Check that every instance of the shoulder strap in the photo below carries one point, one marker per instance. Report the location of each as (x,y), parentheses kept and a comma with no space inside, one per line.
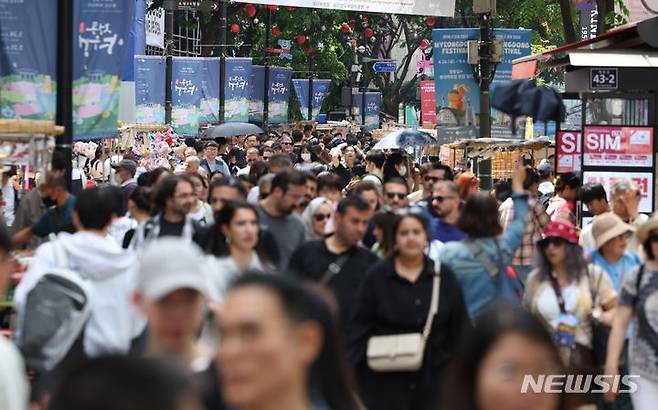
(558,292)
(334,268)
(61,259)
(638,281)
(482,257)
(434,304)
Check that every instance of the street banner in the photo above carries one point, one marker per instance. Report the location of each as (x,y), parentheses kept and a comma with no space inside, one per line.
(427,103)
(643,179)
(457,93)
(320,92)
(568,146)
(150,90)
(28,59)
(256,94)
(445,8)
(589,20)
(236,89)
(279,94)
(373,102)
(618,147)
(155,22)
(357,107)
(195,91)
(100,46)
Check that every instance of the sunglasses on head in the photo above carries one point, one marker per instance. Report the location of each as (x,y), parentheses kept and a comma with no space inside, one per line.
(441,198)
(392,195)
(321,217)
(557,242)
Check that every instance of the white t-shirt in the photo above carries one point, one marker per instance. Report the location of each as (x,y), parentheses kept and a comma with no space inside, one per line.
(14,389)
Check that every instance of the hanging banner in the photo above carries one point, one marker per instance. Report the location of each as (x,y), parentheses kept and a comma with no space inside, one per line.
(568,146)
(195,92)
(357,107)
(279,94)
(155,22)
(457,93)
(256,94)
(236,89)
(445,8)
(618,147)
(589,20)
(320,92)
(643,179)
(28,59)
(427,104)
(99,49)
(150,90)
(373,102)
(210,91)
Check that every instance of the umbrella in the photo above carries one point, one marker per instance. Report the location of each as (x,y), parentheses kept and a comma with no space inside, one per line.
(231,129)
(405,138)
(523,98)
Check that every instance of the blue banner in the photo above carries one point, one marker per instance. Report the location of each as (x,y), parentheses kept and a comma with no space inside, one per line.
(373,102)
(195,93)
(150,90)
(237,90)
(256,94)
(210,91)
(279,94)
(28,46)
(357,107)
(137,42)
(320,91)
(100,46)
(457,93)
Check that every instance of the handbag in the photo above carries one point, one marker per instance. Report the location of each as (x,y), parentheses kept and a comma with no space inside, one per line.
(404,352)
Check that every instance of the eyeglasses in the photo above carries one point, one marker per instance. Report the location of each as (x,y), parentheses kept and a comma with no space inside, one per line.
(557,242)
(392,195)
(321,217)
(441,198)
(433,179)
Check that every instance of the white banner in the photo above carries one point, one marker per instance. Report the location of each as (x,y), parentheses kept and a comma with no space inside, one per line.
(154,27)
(444,8)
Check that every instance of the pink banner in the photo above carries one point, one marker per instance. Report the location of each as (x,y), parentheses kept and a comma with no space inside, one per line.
(618,147)
(427,103)
(568,151)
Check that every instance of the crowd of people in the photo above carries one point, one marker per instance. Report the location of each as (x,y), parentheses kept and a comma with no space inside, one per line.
(306,271)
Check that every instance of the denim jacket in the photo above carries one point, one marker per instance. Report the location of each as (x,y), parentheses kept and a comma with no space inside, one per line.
(478,287)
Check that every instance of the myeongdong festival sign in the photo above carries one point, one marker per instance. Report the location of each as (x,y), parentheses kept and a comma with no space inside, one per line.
(444,8)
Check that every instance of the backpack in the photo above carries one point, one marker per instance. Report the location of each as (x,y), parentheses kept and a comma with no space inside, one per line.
(545,199)
(55,313)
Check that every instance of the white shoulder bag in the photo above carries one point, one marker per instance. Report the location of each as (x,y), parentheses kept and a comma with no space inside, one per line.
(404,352)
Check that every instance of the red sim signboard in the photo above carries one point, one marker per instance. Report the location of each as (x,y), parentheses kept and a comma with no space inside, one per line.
(618,147)
(427,103)
(568,151)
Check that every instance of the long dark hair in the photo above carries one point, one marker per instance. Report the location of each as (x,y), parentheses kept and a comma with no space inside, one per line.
(479,217)
(399,217)
(498,320)
(575,262)
(330,377)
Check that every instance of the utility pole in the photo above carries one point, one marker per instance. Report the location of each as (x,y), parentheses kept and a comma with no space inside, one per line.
(266,95)
(64,115)
(310,87)
(223,12)
(170,7)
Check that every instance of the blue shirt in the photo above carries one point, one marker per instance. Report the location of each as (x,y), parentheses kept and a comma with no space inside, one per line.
(445,232)
(619,270)
(56,220)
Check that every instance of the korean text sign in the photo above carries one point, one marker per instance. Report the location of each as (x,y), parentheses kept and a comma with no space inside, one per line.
(643,179)
(237,90)
(568,151)
(618,147)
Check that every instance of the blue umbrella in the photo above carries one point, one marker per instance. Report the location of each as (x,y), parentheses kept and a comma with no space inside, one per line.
(405,138)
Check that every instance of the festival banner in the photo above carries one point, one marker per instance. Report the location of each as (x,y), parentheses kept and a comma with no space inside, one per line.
(256,94)
(210,91)
(279,94)
(28,59)
(357,107)
(444,8)
(99,50)
(150,90)
(568,146)
(373,102)
(320,92)
(195,92)
(618,147)
(644,180)
(236,89)
(457,93)
(427,103)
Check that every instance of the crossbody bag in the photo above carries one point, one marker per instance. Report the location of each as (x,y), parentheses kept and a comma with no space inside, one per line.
(404,352)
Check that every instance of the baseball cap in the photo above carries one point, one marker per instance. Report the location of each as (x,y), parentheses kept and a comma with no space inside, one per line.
(169,264)
(127,164)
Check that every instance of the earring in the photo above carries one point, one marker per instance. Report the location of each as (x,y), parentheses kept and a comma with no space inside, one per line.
(228,240)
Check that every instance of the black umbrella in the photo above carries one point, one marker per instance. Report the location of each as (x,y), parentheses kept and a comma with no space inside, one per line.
(523,98)
(231,129)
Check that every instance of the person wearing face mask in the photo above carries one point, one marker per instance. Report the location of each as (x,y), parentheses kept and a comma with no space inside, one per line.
(124,175)
(308,159)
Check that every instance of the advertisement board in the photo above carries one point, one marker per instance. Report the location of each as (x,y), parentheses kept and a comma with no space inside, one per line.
(618,146)
(445,8)
(427,103)
(643,179)
(568,145)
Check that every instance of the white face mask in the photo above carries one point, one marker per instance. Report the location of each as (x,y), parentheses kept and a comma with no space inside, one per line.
(403,170)
(306,156)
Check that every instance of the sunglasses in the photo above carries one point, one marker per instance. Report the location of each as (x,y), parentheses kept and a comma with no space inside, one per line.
(286,143)
(392,195)
(440,198)
(321,217)
(557,242)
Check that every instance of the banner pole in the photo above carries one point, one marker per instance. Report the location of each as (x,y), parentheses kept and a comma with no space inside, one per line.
(169,48)
(266,82)
(310,87)
(64,115)
(222,63)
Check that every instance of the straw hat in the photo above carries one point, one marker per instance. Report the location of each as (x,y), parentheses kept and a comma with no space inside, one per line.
(645,229)
(608,226)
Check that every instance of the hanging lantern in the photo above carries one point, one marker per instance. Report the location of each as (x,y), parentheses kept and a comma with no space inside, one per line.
(430,21)
(424,44)
(308,50)
(235,29)
(345,28)
(276,31)
(369,32)
(301,39)
(250,10)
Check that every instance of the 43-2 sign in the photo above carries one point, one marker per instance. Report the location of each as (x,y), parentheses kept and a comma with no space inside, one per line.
(604,79)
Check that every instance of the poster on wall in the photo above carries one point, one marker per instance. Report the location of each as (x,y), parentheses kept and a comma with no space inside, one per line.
(457,93)
(27,59)
(427,103)
(618,147)
(568,144)
(100,45)
(150,90)
(256,94)
(643,179)
(445,8)
(279,94)
(237,90)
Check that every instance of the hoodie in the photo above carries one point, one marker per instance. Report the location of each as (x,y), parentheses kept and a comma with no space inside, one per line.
(111,271)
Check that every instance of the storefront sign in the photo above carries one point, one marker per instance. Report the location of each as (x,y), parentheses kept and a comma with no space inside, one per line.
(643,179)
(604,78)
(568,145)
(618,147)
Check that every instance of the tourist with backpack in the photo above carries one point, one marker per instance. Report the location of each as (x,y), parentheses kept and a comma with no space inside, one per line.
(481,262)
(637,303)
(75,299)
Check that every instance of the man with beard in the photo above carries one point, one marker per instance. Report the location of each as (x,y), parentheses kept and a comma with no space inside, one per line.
(446,205)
